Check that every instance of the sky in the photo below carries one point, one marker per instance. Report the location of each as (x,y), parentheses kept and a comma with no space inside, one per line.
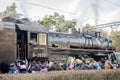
(84,11)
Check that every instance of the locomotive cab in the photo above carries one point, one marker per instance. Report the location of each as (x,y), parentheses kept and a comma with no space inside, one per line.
(20,39)
(33,45)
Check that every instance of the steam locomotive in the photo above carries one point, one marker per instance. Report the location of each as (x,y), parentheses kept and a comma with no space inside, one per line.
(22,39)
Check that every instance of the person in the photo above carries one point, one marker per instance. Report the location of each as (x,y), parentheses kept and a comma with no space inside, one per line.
(108,64)
(77,63)
(33,41)
(34,67)
(59,66)
(70,62)
(29,68)
(12,68)
(23,67)
(99,66)
(85,65)
(79,60)
(64,67)
(43,69)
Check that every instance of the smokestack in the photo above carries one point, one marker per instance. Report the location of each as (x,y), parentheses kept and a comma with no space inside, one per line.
(53,29)
(78,30)
(0,20)
(70,31)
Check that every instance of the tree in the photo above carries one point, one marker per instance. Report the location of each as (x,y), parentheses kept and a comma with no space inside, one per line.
(58,21)
(115,37)
(10,11)
(103,33)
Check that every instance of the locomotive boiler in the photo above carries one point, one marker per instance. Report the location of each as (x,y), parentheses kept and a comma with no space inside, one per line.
(78,44)
(85,41)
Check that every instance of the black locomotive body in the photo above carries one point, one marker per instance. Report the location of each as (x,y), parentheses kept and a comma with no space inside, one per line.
(91,44)
(21,39)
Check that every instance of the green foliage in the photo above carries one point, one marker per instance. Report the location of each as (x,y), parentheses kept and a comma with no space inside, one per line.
(10,11)
(58,21)
(115,37)
(103,33)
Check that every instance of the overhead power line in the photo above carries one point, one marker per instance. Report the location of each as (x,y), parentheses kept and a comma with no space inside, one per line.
(43,6)
(114,3)
(112,25)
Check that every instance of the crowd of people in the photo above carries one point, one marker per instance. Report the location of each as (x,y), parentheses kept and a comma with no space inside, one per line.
(72,63)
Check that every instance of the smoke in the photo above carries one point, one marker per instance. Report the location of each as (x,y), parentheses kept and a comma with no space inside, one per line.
(81,12)
(23,6)
(86,13)
(74,5)
(95,5)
